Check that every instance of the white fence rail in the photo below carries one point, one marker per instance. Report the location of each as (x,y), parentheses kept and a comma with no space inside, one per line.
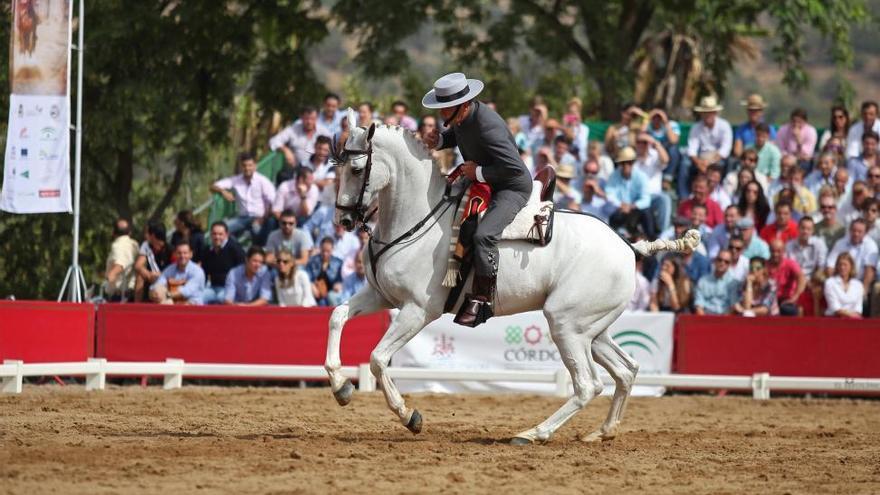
(174,370)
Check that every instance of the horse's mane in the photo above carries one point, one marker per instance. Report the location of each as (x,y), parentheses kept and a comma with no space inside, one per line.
(410,138)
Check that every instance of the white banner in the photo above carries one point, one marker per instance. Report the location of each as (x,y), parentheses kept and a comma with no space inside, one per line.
(522,342)
(36,173)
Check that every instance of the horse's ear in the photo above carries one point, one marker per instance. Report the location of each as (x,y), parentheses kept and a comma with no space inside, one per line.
(371,131)
(352,118)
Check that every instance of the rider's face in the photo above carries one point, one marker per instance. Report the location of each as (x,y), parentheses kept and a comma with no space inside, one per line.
(447,113)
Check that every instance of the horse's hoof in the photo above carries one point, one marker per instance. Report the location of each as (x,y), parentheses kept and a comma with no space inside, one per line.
(343,395)
(520,441)
(415,422)
(597,436)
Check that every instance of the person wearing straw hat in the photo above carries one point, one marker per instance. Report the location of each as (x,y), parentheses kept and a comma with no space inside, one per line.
(710,141)
(491,157)
(627,193)
(744,134)
(566,194)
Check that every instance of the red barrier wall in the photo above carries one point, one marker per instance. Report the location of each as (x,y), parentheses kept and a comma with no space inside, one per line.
(229,334)
(42,331)
(726,345)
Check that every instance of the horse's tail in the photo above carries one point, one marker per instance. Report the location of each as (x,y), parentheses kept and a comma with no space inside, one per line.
(688,242)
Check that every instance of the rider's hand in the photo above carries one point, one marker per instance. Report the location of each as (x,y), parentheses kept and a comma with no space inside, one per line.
(432,139)
(469,170)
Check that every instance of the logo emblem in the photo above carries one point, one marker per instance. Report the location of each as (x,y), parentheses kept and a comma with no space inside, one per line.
(632,340)
(24,152)
(23,133)
(48,134)
(55,112)
(443,346)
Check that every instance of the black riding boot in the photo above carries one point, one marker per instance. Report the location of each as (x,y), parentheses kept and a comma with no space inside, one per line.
(477,307)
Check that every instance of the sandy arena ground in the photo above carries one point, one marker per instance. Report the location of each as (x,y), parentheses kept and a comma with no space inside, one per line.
(271,440)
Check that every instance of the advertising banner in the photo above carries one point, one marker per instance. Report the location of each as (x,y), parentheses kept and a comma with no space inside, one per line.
(523,342)
(36,172)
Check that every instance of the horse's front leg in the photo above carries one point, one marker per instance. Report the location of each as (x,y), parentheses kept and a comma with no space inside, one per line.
(366,301)
(409,322)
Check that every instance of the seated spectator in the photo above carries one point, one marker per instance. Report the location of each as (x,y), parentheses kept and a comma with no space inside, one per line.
(605,163)
(758,292)
(698,222)
(641,298)
(858,166)
(300,195)
(576,129)
(566,195)
(324,171)
(736,180)
(700,196)
(790,280)
(628,197)
(547,140)
(353,282)
(366,115)
(297,141)
(533,123)
(842,185)
(717,193)
(798,138)
(739,264)
(287,236)
(823,174)
(803,200)
(696,264)
(745,134)
(874,182)
(652,159)
(810,253)
(851,206)
(718,291)
(217,260)
(868,122)
(346,246)
(862,249)
(592,194)
(672,289)
(249,284)
(681,224)
(754,205)
(187,228)
(331,116)
(710,141)
(788,164)
(292,285)
(871,214)
(844,292)
(320,224)
(253,195)
(755,246)
(830,229)
(325,272)
(838,126)
(720,235)
(622,134)
(153,256)
(119,274)
(783,228)
(769,156)
(399,109)
(180,283)
(562,152)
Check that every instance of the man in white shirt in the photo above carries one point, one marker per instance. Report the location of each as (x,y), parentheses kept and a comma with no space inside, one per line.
(861,248)
(810,253)
(710,140)
(869,122)
(297,141)
(720,235)
(652,159)
(330,116)
(253,195)
(300,195)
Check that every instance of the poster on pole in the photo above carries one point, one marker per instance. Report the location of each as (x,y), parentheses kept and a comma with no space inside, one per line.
(36,171)
(523,342)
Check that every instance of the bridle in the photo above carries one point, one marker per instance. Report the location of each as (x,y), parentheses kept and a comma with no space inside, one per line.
(359,209)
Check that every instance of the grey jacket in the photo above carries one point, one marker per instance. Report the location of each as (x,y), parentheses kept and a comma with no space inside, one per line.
(483,137)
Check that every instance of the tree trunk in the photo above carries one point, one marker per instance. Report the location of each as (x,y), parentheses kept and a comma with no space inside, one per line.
(176,180)
(122,182)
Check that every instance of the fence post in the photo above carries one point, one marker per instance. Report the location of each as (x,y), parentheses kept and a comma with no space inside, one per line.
(175,378)
(365,379)
(98,380)
(12,384)
(761,386)
(561,383)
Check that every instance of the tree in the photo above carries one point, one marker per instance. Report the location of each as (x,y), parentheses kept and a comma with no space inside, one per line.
(692,44)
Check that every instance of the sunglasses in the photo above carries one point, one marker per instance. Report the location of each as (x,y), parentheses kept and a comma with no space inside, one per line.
(284,261)
(828,207)
(288,223)
(721,260)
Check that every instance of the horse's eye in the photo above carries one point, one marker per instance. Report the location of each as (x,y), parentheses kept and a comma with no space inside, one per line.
(357,171)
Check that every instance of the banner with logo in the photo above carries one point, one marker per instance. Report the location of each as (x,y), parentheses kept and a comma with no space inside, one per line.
(522,342)
(36,173)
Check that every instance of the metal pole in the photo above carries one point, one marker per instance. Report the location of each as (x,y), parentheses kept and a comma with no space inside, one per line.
(74,274)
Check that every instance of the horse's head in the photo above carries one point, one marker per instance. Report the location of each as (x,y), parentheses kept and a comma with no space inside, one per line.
(359,173)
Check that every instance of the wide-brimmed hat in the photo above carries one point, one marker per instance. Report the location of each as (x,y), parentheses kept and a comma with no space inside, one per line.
(627,154)
(754,102)
(451,90)
(565,171)
(708,104)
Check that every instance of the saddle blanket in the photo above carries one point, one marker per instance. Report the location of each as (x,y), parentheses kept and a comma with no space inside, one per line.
(522,228)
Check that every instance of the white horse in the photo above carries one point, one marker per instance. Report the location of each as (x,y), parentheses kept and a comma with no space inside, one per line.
(582,280)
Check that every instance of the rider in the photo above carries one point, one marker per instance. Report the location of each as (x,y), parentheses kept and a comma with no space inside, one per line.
(491,156)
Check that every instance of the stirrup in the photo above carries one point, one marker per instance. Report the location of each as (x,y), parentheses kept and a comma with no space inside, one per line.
(473,312)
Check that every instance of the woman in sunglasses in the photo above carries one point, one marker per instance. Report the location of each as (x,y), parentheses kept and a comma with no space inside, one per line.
(292,286)
(838,127)
(759,292)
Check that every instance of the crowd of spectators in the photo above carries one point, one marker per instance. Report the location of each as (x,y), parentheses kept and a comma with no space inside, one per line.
(789,216)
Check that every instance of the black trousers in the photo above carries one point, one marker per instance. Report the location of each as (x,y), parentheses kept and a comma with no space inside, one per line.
(503,208)
(633,218)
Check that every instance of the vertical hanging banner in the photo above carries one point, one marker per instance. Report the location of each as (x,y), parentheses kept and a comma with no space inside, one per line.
(36,172)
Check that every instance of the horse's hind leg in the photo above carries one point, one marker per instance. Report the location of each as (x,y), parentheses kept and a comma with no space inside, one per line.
(586,382)
(623,369)
(409,322)
(365,301)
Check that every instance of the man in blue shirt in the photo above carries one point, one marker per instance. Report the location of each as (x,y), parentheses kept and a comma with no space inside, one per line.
(250,284)
(628,197)
(325,272)
(717,292)
(744,134)
(180,283)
